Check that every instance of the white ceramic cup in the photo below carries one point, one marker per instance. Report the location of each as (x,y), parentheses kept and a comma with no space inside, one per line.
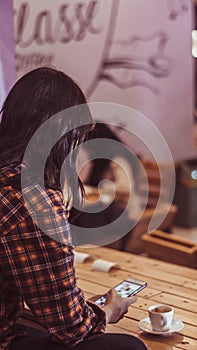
(161,317)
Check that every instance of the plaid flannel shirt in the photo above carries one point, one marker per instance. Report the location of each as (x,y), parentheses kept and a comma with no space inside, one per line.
(36,267)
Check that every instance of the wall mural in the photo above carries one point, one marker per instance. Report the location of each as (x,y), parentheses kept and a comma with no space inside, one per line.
(156,64)
(133,53)
(177,8)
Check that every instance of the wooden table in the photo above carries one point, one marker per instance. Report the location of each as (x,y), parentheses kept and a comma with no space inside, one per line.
(167,283)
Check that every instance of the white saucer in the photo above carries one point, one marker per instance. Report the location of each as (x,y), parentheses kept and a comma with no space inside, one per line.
(145,326)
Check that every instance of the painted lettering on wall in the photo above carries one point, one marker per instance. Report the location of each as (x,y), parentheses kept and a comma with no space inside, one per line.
(71,22)
(69,25)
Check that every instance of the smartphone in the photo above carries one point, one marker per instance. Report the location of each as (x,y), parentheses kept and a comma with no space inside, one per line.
(125,289)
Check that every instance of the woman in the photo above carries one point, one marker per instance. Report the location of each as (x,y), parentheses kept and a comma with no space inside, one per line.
(36,251)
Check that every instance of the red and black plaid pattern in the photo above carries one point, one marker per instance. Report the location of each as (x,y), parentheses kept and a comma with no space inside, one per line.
(37,266)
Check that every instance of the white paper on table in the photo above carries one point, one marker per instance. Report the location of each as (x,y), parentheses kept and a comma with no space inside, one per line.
(81,257)
(103,265)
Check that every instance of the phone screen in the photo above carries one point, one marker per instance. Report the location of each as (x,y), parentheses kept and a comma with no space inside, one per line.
(125,289)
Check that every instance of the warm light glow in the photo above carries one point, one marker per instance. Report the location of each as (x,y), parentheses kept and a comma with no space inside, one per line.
(194,43)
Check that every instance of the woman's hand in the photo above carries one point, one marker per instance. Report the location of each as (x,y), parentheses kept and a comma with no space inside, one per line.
(116,307)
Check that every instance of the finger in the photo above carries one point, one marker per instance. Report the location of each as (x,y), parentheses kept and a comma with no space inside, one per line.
(111,294)
(131,300)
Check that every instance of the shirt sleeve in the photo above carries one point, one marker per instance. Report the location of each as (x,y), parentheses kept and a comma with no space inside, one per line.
(42,268)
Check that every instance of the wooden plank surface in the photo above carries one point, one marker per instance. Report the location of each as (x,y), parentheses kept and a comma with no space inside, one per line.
(167,284)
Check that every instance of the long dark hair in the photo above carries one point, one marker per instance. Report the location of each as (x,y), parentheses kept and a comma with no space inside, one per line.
(35,98)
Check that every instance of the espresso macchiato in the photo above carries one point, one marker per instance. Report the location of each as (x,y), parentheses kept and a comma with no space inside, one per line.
(161,317)
(161,309)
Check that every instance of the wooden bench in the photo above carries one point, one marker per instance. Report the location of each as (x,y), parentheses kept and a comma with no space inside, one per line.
(171,248)
(133,242)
